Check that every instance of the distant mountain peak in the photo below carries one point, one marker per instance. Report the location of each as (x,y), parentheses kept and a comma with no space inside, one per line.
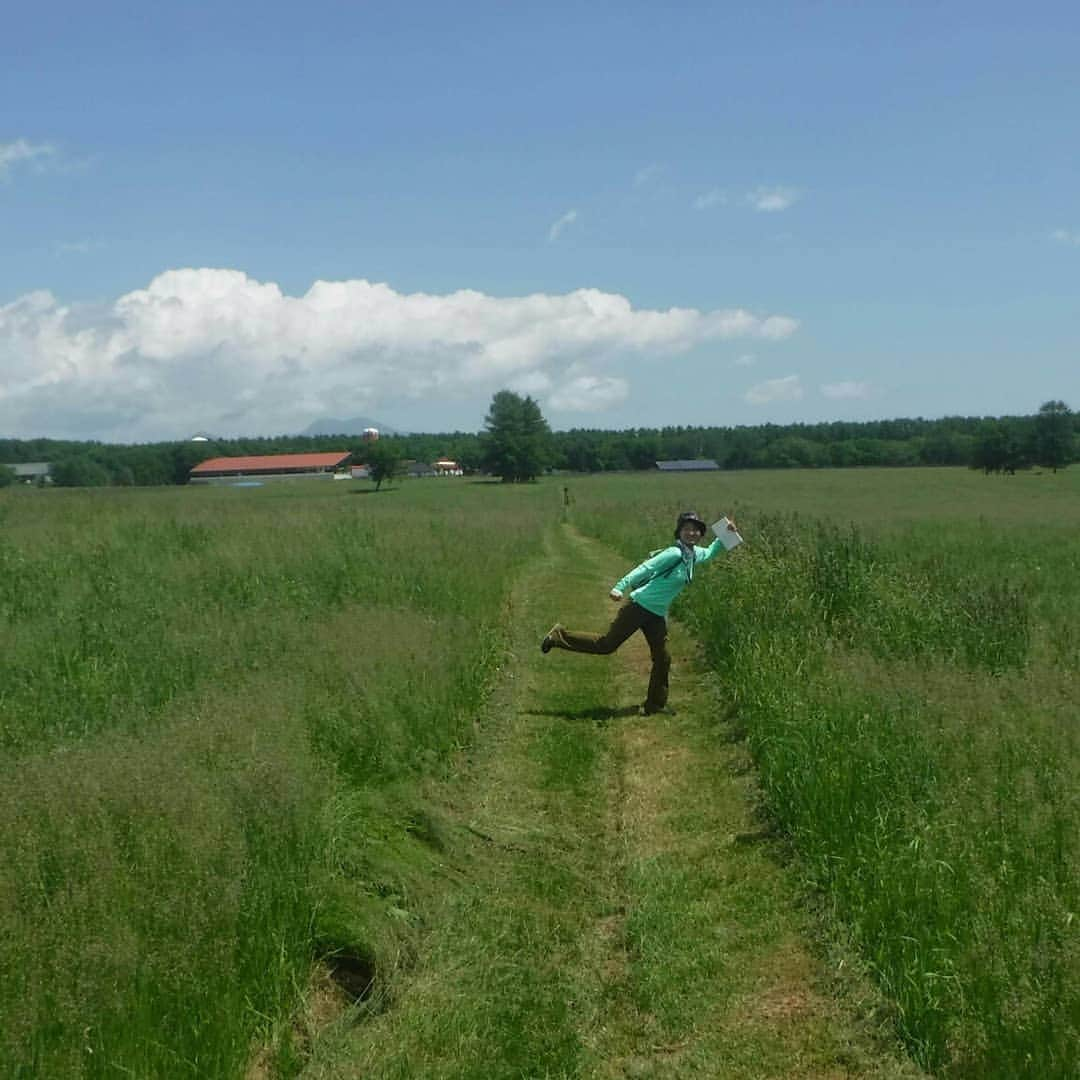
(352,426)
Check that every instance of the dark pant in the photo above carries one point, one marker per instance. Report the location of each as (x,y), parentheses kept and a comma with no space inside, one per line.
(628,619)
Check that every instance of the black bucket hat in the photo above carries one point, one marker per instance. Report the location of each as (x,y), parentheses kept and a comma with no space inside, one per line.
(690,515)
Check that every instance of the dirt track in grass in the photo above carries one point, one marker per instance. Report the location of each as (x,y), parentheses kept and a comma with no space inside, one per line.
(615,908)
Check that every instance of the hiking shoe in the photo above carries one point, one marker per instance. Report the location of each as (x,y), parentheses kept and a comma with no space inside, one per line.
(548,643)
(663,710)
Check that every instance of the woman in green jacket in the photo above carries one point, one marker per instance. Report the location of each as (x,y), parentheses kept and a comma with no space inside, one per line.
(653,586)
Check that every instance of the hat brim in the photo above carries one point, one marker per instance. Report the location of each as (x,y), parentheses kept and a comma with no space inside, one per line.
(697,522)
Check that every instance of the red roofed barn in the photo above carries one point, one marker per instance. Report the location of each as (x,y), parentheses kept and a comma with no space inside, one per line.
(270,467)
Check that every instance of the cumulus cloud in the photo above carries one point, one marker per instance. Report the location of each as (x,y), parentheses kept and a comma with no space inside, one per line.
(842,391)
(776,327)
(21,151)
(786,389)
(772,199)
(567,219)
(215,349)
(712,197)
(589,393)
(532,383)
(1066,236)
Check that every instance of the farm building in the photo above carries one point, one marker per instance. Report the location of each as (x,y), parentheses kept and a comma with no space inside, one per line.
(32,472)
(270,467)
(693,465)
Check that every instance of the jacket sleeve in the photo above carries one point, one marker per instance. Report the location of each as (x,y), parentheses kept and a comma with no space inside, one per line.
(665,560)
(705,554)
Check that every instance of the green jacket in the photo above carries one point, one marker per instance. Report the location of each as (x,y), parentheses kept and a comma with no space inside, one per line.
(653,586)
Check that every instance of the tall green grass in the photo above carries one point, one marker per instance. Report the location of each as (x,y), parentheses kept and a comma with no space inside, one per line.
(909,691)
(215,709)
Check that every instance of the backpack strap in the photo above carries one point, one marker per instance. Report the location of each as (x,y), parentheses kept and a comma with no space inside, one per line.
(671,569)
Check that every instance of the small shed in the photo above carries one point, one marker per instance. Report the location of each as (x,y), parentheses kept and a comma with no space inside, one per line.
(690,465)
(32,472)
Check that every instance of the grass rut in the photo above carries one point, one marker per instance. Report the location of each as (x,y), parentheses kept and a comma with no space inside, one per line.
(620,913)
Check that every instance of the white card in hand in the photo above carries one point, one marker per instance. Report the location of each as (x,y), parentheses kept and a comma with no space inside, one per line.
(729,537)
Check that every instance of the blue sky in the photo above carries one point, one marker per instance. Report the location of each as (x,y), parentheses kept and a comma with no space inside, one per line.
(242,218)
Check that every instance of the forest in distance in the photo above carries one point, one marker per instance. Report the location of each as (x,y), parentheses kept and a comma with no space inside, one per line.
(1048,438)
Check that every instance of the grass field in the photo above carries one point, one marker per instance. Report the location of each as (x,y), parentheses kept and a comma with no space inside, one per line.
(219,710)
(213,705)
(901,649)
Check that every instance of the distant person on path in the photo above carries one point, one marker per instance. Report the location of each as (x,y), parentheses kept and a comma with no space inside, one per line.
(653,586)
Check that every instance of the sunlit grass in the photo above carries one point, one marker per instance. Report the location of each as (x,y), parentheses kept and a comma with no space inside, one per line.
(214,708)
(217,709)
(904,663)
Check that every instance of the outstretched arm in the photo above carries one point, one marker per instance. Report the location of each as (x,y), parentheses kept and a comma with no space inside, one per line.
(705,554)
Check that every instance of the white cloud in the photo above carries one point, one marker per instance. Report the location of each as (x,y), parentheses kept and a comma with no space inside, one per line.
(215,349)
(712,197)
(842,391)
(1066,236)
(647,174)
(589,393)
(13,153)
(786,389)
(773,199)
(531,382)
(567,219)
(778,327)
(746,360)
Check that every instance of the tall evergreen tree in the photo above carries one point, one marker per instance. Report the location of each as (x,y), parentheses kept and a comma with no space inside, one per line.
(517,439)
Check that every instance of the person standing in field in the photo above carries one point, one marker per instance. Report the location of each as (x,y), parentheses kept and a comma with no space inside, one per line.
(653,586)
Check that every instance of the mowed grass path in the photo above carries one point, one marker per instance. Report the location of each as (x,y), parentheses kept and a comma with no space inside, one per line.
(613,908)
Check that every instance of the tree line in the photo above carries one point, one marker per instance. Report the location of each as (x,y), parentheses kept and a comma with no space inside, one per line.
(516,444)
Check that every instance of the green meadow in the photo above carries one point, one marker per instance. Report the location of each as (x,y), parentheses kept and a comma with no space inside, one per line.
(901,651)
(214,705)
(222,711)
